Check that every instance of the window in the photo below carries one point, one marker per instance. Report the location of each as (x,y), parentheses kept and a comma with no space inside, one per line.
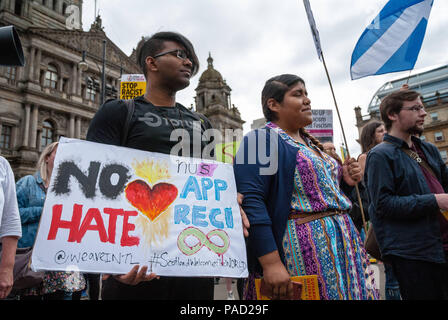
(90,93)
(444,155)
(51,77)
(18,7)
(92,88)
(55,5)
(438,136)
(5,138)
(434,116)
(10,73)
(47,134)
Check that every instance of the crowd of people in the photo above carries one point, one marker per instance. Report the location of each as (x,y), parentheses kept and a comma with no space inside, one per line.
(301,219)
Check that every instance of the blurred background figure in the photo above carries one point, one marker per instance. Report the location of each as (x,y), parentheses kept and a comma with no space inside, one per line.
(331,151)
(31,193)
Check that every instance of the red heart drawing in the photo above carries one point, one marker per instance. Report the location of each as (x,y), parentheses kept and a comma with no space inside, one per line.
(150,201)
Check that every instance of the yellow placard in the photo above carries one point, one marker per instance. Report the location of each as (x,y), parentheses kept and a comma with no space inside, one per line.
(310,288)
(132,86)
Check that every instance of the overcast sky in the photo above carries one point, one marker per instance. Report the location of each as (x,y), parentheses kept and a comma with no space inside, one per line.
(253,40)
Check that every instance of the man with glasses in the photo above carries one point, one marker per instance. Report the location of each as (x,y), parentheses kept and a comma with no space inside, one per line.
(407,182)
(168,61)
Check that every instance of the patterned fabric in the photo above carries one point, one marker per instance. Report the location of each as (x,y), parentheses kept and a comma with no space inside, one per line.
(316,178)
(58,280)
(331,247)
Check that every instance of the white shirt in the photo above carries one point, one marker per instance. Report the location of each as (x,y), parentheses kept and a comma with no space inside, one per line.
(9,211)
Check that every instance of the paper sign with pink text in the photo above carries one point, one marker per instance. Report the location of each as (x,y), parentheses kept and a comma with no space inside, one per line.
(110,208)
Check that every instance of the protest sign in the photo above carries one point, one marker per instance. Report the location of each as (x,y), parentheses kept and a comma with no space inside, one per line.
(132,86)
(322,126)
(109,208)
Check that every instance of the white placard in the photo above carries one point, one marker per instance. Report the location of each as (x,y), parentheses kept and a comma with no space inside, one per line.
(109,208)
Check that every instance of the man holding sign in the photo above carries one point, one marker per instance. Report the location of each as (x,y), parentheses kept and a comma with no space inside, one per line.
(168,61)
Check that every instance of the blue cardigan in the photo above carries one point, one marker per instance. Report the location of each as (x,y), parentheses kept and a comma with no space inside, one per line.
(267,197)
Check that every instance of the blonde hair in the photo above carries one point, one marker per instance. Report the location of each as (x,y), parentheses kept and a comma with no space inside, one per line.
(42,164)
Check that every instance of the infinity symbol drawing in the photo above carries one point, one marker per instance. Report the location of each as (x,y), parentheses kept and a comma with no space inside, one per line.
(203,241)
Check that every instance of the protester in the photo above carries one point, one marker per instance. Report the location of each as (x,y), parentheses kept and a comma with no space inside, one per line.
(31,193)
(406,199)
(10,229)
(168,61)
(372,134)
(295,203)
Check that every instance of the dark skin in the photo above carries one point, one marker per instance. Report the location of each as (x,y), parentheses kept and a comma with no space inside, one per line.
(292,114)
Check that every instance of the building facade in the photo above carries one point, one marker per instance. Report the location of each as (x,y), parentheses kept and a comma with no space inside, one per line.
(433,87)
(53,95)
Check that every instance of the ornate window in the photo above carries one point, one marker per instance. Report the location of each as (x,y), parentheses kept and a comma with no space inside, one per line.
(47,134)
(10,73)
(51,77)
(5,138)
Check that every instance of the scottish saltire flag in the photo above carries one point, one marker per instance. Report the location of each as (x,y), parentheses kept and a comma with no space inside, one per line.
(393,40)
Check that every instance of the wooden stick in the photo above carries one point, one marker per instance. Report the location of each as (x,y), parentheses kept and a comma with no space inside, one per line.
(345,142)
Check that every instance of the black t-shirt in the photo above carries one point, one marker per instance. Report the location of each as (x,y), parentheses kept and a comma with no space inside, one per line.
(151,128)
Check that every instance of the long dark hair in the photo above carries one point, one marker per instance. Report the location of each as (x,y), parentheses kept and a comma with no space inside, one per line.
(367,138)
(276,88)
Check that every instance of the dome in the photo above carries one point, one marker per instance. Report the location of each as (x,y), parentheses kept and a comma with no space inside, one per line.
(211,74)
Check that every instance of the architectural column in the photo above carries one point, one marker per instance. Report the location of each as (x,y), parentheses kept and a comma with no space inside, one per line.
(31,65)
(73,91)
(26,125)
(71,128)
(79,83)
(37,66)
(33,133)
(78,128)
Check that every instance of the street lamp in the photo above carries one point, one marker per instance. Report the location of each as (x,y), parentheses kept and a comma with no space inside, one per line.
(83,66)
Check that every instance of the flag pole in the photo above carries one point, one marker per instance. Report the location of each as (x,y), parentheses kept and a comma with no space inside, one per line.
(345,141)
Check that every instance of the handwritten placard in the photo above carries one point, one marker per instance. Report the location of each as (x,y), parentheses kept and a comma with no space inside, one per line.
(109,208)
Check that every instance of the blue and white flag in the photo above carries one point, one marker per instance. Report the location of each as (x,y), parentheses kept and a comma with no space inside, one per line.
(393,40)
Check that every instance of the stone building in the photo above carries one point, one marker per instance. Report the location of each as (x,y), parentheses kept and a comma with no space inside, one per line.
(213,99)
(433,86)
(53,95)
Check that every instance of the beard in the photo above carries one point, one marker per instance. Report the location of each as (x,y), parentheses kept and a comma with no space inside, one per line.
(415,130)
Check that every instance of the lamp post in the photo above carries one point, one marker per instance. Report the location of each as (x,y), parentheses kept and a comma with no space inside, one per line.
(83,66)
(103,78)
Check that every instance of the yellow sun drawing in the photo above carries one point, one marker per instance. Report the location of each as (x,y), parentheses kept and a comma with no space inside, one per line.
(158,229)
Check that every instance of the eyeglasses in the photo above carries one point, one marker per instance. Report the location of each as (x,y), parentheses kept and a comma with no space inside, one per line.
(417,108)
(181,54)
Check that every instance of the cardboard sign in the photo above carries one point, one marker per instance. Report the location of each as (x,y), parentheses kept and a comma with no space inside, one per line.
(109,208)
(132,86)
(322,126)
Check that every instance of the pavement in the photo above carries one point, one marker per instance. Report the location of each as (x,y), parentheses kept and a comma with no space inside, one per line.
(378,269)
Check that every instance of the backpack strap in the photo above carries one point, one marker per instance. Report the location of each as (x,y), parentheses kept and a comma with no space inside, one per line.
(130,105)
